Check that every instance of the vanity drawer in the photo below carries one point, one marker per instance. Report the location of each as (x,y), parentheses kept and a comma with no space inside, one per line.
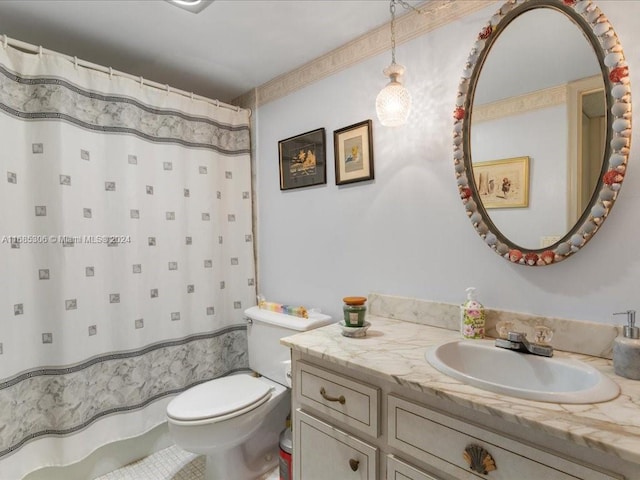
(341,398)
(324,452)
(399,470)
(440,441)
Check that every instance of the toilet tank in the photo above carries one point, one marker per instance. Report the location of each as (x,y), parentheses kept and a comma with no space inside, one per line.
(264,331)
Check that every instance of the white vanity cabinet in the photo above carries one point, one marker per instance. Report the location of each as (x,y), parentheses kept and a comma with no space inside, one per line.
(399,470)
(324,450)
(327,453)
(441,441)
(348,425)
(344,399)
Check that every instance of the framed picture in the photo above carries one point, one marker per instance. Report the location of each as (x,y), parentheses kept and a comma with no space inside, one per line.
(503,183)
(353,153)
(302,160)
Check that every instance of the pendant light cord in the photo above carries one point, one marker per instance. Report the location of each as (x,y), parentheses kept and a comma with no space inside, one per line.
(392,9)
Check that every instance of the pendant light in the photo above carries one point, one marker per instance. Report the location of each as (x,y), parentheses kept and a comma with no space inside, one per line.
(393,103)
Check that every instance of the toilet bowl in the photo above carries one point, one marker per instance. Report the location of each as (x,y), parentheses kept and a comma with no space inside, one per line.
(236,420)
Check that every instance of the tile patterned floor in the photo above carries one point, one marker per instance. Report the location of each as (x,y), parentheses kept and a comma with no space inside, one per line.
(172,463)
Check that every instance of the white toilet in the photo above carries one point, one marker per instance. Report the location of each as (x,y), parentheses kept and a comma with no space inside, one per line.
(236,420)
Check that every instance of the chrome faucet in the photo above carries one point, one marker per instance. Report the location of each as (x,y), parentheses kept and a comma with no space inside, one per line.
(518,341)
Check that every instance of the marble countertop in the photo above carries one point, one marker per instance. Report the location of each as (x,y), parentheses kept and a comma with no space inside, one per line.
(394,350)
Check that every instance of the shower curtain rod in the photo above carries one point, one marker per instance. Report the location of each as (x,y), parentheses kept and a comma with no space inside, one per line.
(6,41)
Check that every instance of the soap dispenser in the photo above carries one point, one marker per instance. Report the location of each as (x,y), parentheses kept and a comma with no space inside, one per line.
(626,348)
(472,317)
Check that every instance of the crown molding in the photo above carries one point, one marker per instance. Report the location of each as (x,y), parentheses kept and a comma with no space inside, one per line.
(434,14)
(548,97)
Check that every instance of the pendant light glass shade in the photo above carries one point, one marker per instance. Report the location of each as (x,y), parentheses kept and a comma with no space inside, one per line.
(393,103)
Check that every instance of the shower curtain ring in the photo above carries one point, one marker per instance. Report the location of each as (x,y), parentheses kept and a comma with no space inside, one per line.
(110,73)
(40,51)
(5,40)
(141,81)
(75,62)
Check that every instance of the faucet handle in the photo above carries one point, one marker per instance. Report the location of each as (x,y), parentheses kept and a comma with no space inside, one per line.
(503,327)
(543,334)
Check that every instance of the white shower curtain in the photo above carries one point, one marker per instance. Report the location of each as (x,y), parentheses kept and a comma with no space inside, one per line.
(126,255)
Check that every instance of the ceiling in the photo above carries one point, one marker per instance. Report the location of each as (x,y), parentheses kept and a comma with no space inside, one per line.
(227,49)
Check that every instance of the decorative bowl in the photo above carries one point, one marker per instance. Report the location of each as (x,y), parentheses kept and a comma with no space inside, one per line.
(354,332)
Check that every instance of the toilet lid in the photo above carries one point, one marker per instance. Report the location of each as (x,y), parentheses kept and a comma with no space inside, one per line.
(218,397)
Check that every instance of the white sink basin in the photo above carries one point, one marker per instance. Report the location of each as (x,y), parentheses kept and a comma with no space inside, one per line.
(560,380)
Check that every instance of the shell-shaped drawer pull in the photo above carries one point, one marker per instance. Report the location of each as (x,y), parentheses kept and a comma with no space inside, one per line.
(354,464)
(341,400)
(478,459)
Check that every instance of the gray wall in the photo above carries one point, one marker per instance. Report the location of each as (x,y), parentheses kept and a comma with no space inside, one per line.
(406,232)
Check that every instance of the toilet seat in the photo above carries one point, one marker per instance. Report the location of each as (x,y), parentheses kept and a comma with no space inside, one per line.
(219,399)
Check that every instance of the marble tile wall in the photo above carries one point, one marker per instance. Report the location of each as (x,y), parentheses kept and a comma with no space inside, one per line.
(589,338)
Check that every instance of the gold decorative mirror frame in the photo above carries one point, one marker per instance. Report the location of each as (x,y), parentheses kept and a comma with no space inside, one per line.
(599,32)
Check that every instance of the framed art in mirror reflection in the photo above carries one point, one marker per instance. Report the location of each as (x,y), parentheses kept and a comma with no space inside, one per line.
(503,183)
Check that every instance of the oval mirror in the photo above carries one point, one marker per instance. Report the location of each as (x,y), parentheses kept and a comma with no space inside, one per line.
(542,128)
